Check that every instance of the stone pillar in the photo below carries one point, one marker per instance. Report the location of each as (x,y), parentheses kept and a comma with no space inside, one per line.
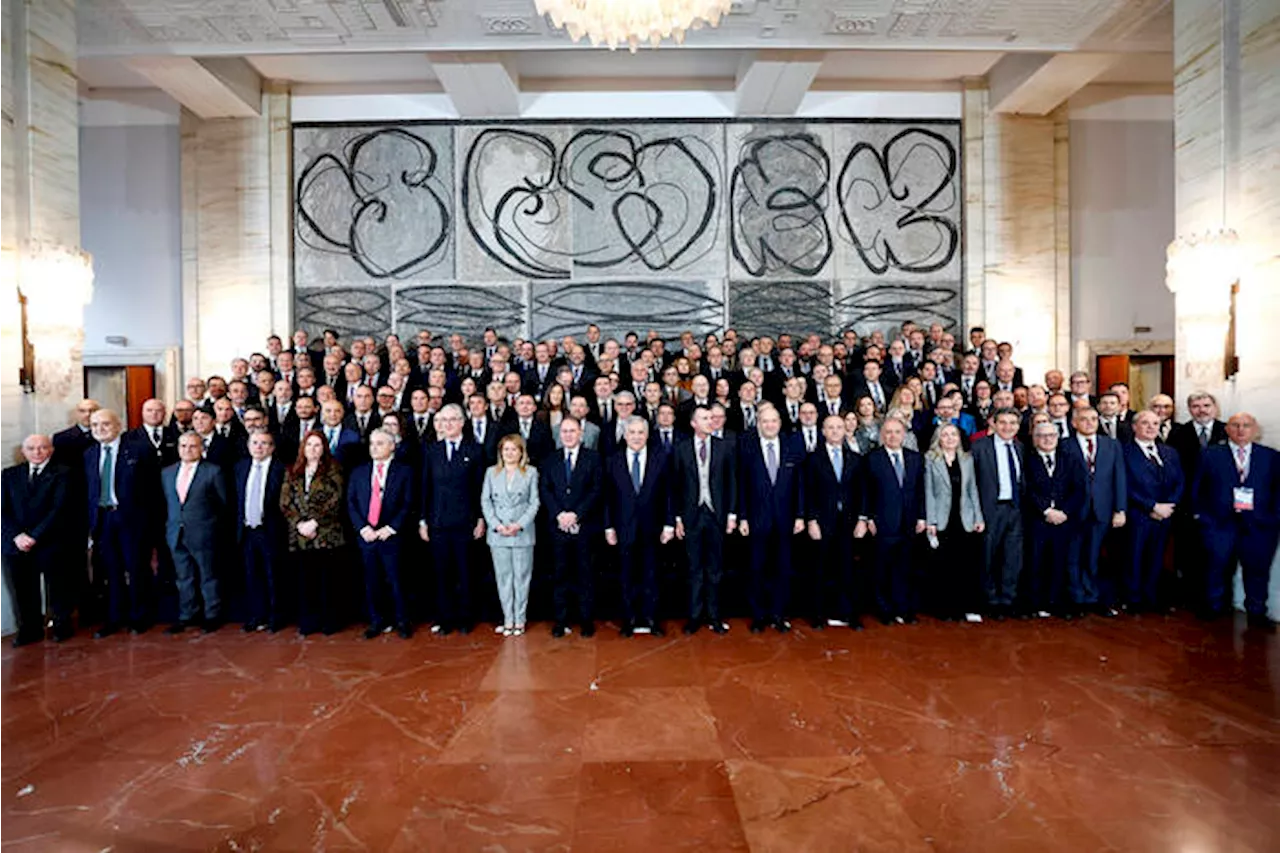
(1018,248)
(236,200)
(1227,163)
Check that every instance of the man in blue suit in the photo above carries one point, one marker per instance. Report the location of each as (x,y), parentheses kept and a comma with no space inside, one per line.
(1236,498)
(380,504)
(195,493)
(832,506)
(893,512)
(1105,502)
(261,531)
(770,513)
(124,512)
(345,444)
(450,517)
(1057,487)
(1155,483)
(637,519)
(569,486)
(998,464)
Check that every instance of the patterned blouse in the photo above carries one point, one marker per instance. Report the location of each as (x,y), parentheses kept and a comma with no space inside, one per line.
(322,502)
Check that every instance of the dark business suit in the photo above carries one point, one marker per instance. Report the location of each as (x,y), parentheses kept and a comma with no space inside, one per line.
(263,547)
(345,446)
(37,507)
(1148,484)
(1002,563)
(1107,494)
(770,508)
(638,519)
(704,526)
(492,432)
(166,451)
(536,385)
(123,532)
(192,528)
(577,492)
(450,499)
(835,505)
(539,444)
(70,445)
(1049,583)
(382,559)
(1189,557)
(1230,535)
(895,508)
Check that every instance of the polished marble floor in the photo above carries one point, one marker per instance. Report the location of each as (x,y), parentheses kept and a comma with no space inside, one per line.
(1150,734)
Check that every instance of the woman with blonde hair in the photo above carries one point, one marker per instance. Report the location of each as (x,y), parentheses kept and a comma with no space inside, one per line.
(954,524)
(509,502)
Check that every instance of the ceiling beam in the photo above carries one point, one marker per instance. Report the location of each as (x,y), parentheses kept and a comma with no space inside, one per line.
(774,82)
(1037,83)
(481,85)
(222,87)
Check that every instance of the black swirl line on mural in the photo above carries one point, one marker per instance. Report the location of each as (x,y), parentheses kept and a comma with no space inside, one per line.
(653,203)
(799,307)
(883,302)
(618,307)
(381,202)
(778,206)
(897,205)
(350,311)
(462,307)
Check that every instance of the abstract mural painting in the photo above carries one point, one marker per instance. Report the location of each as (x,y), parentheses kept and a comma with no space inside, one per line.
(538,228)
(349,311)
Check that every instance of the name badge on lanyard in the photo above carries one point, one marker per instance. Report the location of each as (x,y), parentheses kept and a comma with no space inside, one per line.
(1242,499)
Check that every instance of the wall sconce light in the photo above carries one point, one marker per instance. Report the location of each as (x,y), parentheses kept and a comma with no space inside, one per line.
(56,282)
(1203,273)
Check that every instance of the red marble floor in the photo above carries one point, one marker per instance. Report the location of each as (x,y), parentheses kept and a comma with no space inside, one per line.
(1140,734)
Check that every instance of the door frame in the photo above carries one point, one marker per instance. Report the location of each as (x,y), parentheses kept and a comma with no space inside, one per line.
(165,360)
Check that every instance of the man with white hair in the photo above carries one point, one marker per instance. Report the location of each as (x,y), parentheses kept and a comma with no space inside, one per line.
(380,506)
(1155,483)
(35,528)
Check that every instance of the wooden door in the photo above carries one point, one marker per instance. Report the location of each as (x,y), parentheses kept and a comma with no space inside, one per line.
(140,384)
(1111,369)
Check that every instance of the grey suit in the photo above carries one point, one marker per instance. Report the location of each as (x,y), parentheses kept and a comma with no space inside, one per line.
(937,493)
(511,502)
(192,529)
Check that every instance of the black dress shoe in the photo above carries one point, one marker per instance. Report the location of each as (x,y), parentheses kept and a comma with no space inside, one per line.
(27,640)
(177,627)
(627,630)
(137,629)
(210,626)
(588,629)
(855,623)
(63,632)
(404,631)
(818,624)
(911,619)
(719,627)
(464,630)
(274,627)
(758,626)
(106,631)
(1261,622)
(558,630)
(782,626)
(691,627)
(250,627)
(885,618)
(655,628)
(372,631)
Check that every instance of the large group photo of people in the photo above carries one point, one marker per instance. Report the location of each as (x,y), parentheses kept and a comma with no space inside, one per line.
(462,479)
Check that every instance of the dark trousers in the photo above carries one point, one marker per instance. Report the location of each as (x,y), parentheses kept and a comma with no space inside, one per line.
(118,557)
(450,548)
(834,594)
(382,565)
(573,576)
(1086,551)
(704,544)
(894,590)
(262,573)
(317,572)
(639,576)
(1002,563)
(1147,541)
(1048,572)
(1251,545)
(769,590)
(197,582)
(955,574)
(22,576)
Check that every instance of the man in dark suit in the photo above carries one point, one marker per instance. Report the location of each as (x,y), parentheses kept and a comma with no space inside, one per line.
(1110,422)
(380,504)
(536,434)
(123,505)
(344,442)
(893,512)
(154,436)
(706,498)
(1106,498)
(1190,440)
(832,504)
(35,531)
(1155,482)
(771,511)
(195,493)
(637,519)
(569,486)
(452,476)
(998,465)
(70,444)
(873,386)
(481,429)
(1057,489)
(1236,498)
(362,418)
(541,374)
(218,449)
(261,532)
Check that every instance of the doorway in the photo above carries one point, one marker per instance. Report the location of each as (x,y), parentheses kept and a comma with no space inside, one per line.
(121,388)
(1146,376)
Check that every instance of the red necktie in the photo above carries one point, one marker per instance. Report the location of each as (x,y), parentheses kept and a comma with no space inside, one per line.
(1092,458)
(375,500)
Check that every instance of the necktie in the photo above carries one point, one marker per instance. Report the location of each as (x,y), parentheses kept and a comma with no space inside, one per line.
(108,476)
(32,473)
(876,396)
(480,431)
(1240,464)
(702,451)
(568,466)
(1108,429)
(795,412)
(1204,437)
(155,435)
(524,430)
(771,462)
(749,416)
(1062,429)
(1092,458)
(333,439)
(808,438)
(635,470)
(450,447)
(1048,464)
(222,431)
(184,482)
(364,422)
(897,467)
(253,512)
(666,440)
(833,406)
(837,463)
(375,499)
(1154,456)
(1013,464)
(422,424)
(608,410)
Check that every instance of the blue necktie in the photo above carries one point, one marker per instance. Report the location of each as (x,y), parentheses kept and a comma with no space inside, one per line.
(451,447)
(635,471)
(1013,465)
(837,463)
(568,467)
(897,467)
(108,476)
(771,463)
(253,512)
(333,439)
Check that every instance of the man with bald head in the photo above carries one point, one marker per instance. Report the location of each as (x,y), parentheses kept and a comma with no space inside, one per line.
(1236,500)
(153,435)
(1153,475)
(35,531)
(1162,405)
(123,511)
(70,444)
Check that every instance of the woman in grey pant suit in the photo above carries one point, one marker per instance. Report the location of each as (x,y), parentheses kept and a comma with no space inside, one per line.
(953,519)
(509,502)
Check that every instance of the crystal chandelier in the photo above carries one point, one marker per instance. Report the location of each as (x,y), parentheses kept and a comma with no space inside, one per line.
(631,22)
